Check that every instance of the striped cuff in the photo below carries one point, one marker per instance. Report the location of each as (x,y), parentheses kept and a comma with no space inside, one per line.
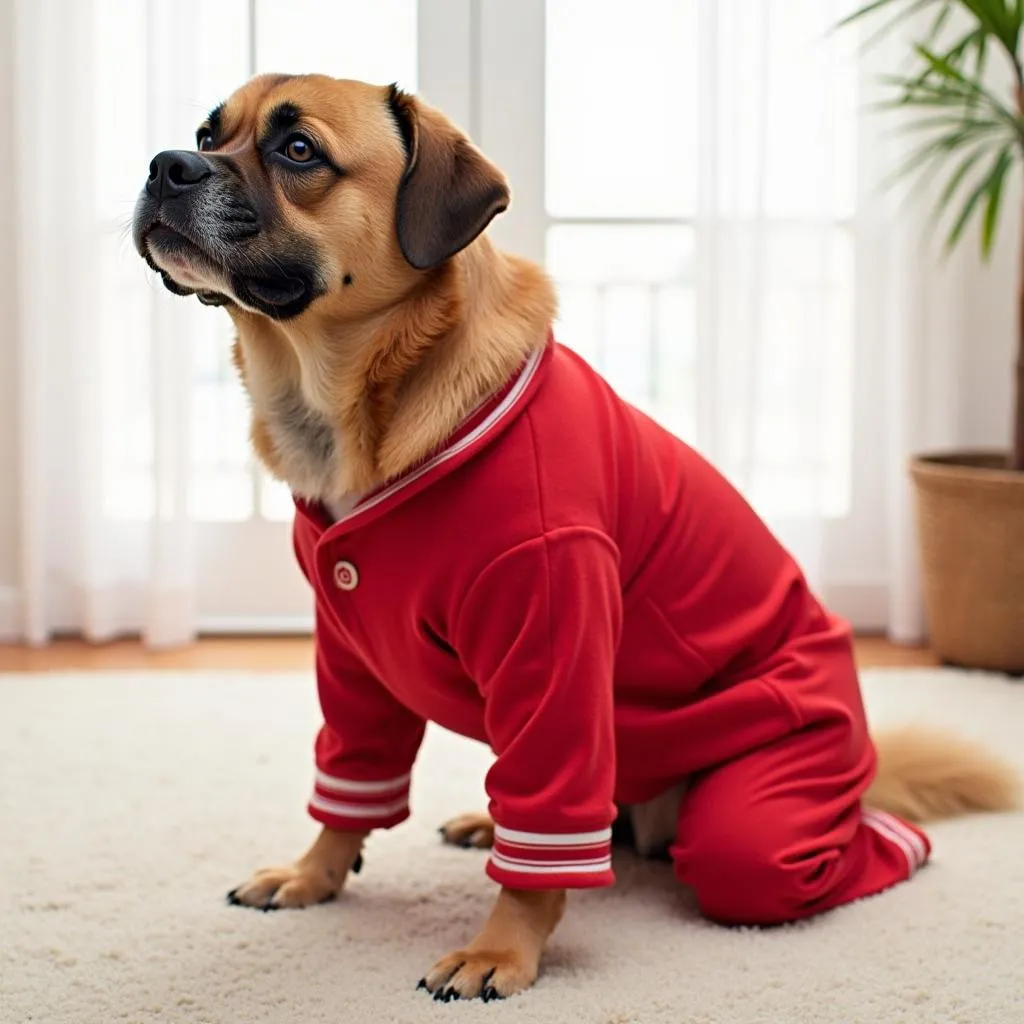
(551,860)
(357,804)
(912,842)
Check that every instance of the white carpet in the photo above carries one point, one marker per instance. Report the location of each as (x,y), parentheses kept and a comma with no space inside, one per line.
(130,803)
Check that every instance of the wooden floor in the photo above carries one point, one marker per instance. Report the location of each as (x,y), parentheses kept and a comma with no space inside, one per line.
(288,653)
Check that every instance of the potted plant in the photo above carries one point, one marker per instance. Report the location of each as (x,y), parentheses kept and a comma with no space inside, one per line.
(970,504)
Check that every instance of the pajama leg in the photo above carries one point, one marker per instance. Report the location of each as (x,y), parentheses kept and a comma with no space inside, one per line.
(779,834)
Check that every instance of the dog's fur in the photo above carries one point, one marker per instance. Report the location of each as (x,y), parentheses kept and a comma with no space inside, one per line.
(372,316)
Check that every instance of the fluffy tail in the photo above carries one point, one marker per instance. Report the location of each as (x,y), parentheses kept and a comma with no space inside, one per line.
(924,775)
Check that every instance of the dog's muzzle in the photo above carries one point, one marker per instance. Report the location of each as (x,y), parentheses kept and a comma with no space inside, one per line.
(194,208)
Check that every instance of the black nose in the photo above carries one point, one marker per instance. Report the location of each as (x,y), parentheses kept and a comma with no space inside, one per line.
(175,171)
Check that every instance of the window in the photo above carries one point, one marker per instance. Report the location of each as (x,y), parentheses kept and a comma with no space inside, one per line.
(700,138)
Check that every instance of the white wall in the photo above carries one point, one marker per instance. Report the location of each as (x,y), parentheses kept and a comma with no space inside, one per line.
(8,365)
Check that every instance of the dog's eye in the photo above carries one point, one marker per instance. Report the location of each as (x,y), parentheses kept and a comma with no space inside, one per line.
(204,142)
(299,149)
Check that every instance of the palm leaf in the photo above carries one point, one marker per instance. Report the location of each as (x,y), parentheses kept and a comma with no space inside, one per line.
(956,179)
(979,60)
(939,22)
(989,182)
(876,5)
(911,7)
(962,128)
(998,19)
(944,79)
(935,151)
(959,53)
(922,94)
(949,88)
(931,120)
(995,194)
(1001,20)
(948,72)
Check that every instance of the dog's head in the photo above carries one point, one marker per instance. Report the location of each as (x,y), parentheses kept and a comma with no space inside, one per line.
(308,190)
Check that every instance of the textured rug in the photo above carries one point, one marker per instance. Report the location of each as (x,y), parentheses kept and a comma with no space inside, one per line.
(130,803)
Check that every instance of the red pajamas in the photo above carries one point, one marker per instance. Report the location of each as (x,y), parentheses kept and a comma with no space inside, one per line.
(572,585)
(779,834)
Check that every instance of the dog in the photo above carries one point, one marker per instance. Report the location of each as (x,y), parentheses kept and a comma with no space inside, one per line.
(499,544)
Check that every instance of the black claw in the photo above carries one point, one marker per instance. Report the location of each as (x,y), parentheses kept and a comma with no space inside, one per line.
(422,983)
(233,899)
(443,831)
(357,864)
(466,842)
(268,906)
(487,991)
(439,995)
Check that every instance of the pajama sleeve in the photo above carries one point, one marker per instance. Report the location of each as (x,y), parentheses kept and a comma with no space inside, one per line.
(538,633)
(367,745)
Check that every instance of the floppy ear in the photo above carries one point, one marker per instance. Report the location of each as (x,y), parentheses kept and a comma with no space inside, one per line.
(450,191)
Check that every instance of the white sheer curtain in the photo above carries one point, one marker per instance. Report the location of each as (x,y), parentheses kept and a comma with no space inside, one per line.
(699,210)
(102,554)
(914,311)
(141,509)
(775,259)
(832,329)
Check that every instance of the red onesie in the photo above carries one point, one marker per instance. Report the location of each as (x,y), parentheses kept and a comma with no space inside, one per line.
(569,583)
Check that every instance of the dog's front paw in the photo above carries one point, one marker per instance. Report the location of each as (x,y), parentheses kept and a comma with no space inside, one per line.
(469,830)
(291,887)
(286,887)
(316,877)
(487,975)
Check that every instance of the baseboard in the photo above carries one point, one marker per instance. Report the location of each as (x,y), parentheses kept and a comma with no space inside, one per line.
(865,605)
(10,616)
(255,625)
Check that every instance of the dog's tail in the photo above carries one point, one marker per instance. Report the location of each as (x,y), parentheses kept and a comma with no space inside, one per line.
(925,774)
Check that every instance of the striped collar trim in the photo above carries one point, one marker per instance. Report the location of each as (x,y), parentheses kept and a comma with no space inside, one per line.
(483,420)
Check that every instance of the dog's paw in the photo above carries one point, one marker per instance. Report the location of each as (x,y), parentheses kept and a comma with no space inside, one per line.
(487,975)
(469,830)
(286,888)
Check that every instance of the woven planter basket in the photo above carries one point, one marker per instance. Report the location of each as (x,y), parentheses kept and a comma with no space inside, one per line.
(970,518)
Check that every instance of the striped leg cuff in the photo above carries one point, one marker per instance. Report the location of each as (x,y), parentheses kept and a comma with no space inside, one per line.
(912,842)
(359,804)
(548,860)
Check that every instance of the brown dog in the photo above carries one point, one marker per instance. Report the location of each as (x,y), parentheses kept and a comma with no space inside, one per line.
(341,225)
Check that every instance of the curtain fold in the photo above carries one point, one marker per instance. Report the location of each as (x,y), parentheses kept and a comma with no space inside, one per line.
(915,298)
(774,260)
(831,329)
(105,550)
